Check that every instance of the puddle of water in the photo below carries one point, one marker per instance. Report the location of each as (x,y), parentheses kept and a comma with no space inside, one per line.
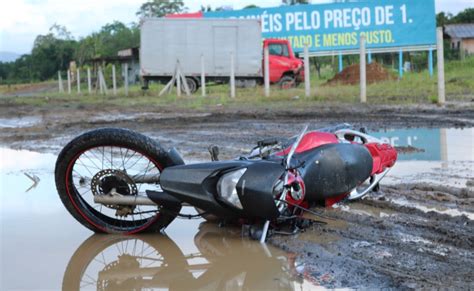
(39,238)
(446,157)
(426,209)
(363,209)
(19,122)
(433,144)
(219,260)
(147,115)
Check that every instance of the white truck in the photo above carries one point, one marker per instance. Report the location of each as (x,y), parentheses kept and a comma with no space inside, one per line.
(167,41)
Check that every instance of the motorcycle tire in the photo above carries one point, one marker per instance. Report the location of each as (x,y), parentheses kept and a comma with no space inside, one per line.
(85,165)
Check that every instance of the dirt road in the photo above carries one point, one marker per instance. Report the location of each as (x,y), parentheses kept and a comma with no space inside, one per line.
(409,235)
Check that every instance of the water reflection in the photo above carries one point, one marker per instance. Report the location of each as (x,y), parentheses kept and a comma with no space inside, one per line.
(432,155)
(223,262)
(431,144)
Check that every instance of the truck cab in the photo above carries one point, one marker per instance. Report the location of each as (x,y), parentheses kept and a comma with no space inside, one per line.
(285,69)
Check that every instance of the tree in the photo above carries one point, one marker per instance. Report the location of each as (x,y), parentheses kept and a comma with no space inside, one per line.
(160,8)
(111,38)
(251,6)
(51,52)
(466,16)
(207,8)
(294,2)
(443,19)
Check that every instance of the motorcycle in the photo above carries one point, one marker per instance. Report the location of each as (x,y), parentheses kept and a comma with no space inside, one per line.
(119,181)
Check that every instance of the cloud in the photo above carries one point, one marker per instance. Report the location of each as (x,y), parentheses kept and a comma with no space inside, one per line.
(22,20)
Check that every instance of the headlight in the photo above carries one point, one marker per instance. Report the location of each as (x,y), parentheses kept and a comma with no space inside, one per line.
(226,187)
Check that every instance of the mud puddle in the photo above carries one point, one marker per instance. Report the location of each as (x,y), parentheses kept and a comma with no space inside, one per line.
(375,242)
(20,122)
(43,247)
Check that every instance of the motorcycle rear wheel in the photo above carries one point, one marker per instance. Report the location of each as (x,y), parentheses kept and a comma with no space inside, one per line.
(110,158)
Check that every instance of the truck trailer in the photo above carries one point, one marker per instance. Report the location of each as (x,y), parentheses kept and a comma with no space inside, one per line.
(166,41)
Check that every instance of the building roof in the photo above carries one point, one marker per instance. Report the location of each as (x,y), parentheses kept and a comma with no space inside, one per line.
(460,30)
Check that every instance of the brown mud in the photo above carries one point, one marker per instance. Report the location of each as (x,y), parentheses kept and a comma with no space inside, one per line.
(408,235)
(351,75)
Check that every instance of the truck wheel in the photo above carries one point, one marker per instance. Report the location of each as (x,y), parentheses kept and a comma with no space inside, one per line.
(287,82)
(192,85)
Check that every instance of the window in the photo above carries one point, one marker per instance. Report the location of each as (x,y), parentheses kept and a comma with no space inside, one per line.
(276,49)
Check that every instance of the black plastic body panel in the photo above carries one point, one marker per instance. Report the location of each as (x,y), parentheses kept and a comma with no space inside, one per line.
(334,169)
(196,184)
(255,189)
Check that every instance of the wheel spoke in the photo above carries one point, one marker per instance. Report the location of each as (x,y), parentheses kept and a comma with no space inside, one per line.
(92,166)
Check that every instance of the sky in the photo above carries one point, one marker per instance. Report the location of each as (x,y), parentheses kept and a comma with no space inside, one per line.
(22,20)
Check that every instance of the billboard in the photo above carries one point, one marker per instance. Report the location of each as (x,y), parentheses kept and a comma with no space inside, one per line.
(338,26)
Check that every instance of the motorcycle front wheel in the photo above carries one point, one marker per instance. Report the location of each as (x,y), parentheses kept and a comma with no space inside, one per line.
(112,160)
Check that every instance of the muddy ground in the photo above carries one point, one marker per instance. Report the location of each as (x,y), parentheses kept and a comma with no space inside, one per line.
(377,242)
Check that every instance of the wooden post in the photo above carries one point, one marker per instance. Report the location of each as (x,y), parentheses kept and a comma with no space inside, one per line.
(126,78)
(440,53)
(266,69)
(114,81)
(68,81)
(307,85)
(89,83)
(60,82)
(203,77)
(178,79)
(232,76)
(363,80)
(78,81)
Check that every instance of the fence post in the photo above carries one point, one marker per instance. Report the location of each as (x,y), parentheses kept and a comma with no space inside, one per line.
(363,80)
(99,79)
(78,81)
(266,69)
(126,78)
(307,84)
(203,77)
(114,81)
(400,63)
(340,62)
(178,79)
(68,81)
(89,84)
(440,53)
(430,61)
(103,85)
(232,76)
(60,81)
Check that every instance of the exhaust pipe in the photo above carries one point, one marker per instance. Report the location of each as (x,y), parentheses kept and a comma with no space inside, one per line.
(123,200)
(153,198)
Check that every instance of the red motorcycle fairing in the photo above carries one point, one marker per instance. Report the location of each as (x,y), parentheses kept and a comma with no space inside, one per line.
(383,155)
(311,140)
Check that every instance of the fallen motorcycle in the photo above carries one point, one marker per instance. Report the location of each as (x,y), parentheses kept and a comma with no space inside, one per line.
(119,181)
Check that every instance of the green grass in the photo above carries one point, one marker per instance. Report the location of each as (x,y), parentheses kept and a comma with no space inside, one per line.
(412,88)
